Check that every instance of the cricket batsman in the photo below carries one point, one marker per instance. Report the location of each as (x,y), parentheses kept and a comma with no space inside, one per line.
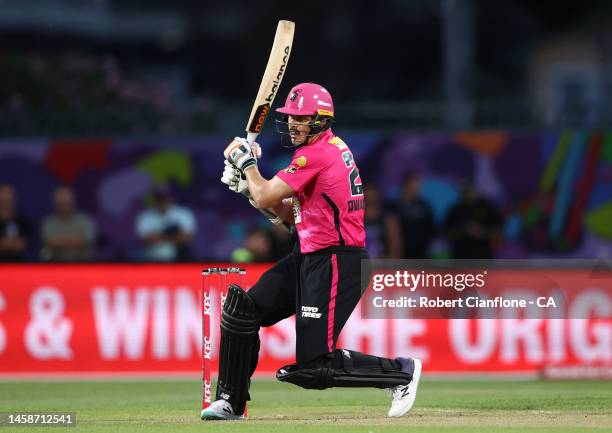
(321,194)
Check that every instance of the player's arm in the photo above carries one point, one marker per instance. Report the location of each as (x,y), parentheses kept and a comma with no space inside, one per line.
(285,210)
(264,193)
(181,238)
(11,244)
(237,182)
(67,241)
(267,193)
(393,236)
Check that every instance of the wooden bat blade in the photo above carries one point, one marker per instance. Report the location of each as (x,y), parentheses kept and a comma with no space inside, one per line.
(272,78)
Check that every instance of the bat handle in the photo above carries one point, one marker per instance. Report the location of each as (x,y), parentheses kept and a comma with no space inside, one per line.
(251,137)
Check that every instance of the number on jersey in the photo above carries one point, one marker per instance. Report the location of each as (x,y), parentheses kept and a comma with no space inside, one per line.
(356,188)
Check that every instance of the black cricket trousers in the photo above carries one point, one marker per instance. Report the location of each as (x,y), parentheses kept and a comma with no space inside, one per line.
(322,289)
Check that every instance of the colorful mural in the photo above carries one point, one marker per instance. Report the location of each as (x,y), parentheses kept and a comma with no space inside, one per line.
(554,188)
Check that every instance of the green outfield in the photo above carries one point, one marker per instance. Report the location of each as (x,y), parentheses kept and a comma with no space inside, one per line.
(449,406)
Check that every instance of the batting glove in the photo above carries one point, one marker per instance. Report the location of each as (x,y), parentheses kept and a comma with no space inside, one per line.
(236,182)
(235,179)
(240,153)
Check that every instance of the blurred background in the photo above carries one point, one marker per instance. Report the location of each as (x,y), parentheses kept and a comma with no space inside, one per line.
(480,128)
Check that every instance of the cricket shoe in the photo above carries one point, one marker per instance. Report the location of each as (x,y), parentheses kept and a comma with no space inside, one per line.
(404,395)
(220,410)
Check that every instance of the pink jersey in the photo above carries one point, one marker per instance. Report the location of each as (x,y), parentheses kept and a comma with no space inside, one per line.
(328,205)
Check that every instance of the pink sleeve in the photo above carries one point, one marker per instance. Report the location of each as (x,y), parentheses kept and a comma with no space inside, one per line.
(301,171)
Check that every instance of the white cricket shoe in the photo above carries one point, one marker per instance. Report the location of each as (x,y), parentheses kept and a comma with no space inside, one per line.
(404,395)
(220,410)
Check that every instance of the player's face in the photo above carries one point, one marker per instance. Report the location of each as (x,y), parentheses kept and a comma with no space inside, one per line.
(299,129)
(64,201)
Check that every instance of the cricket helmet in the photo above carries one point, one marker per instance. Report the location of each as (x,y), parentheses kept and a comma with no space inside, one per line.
(308,99)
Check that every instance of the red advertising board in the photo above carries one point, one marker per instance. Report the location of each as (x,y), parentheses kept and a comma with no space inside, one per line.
(146,319)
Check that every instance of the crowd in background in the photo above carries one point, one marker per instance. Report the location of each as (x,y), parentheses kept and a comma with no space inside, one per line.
(405,228)
(165,230)
(402,228)
(161,70)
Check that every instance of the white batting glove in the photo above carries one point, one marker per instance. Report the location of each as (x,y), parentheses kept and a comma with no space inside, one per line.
(241,154)
(235,180)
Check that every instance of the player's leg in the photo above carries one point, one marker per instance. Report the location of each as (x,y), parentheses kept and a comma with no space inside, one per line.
(274,293)
(330,290)
(394,371)
(270,300)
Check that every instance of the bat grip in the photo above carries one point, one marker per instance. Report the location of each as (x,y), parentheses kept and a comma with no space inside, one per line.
(251,137)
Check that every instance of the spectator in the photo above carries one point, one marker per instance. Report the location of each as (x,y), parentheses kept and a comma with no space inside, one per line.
(257,248)
(416,220)
(166,230)
(382,227)
(68,235)
(14,230)
(536,220)
(473,226)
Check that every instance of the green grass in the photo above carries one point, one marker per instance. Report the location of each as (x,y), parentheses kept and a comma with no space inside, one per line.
(173,406)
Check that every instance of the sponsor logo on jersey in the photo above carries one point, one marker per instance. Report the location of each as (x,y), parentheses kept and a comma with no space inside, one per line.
(291,169)
(311,312)
(301,161)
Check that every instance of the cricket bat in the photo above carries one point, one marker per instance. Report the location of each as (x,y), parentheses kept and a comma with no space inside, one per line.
(270,83)
(272,78)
